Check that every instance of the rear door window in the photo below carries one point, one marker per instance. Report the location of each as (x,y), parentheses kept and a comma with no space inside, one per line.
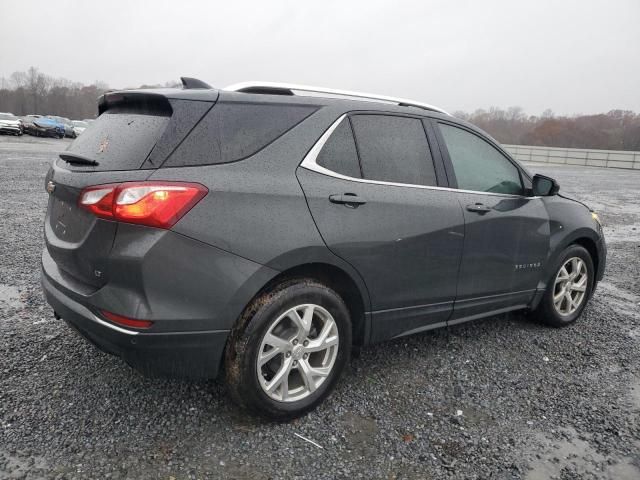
(393,149)
(339,153)
(478,165)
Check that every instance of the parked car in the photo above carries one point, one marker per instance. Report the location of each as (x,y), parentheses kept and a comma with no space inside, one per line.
(67,125)
(263,233)
(79,126)
(45,127)
(11,124)
(27,124)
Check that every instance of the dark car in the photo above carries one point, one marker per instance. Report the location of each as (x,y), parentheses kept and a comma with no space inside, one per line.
(67,125)
(40,126)
(27,124)
(264,233)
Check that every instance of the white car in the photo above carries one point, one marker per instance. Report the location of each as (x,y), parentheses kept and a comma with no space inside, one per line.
(79,126)
(9,123)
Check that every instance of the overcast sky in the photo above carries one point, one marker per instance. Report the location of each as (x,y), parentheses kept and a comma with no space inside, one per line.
(577,56)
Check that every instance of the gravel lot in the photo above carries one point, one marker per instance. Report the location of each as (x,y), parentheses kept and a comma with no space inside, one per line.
(500,398)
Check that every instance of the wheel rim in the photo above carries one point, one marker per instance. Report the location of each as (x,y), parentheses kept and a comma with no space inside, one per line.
(297,353)
(570,286)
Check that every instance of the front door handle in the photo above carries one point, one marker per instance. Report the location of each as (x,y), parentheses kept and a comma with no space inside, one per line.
(350,200)
(480,208)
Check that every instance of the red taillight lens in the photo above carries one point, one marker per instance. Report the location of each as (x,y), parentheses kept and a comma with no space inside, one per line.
(126,321)
(155,204)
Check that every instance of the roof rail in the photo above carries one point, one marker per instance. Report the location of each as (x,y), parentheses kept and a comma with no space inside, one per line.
(289,89)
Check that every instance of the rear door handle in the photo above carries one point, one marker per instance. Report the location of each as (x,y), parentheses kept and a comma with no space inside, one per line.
(350,200)
(478,207)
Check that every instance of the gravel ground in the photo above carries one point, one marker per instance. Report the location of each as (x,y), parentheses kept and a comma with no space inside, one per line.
(500,398)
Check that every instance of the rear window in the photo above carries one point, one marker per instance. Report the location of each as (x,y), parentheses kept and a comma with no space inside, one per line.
(233,131)
(118,141)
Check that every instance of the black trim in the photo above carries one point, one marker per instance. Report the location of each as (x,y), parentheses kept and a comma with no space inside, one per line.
(397,322)
(436,154)
(444,152)
(477,307)
(486,314)
(355,142)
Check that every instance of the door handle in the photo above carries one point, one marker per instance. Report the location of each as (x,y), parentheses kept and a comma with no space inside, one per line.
(480,208)
(350,200)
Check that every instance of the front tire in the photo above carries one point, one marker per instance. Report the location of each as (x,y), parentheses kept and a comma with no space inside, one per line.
(288,349)
(569,289)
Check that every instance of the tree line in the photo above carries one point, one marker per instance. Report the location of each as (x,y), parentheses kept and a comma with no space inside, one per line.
(615,130)
(34,92)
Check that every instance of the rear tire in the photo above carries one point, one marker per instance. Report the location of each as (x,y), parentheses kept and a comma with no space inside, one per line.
(288,349)
(569,288)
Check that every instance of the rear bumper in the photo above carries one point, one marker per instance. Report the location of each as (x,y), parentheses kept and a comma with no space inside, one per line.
(193,354)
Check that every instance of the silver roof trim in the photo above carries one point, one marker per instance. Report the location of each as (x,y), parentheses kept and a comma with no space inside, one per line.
(240,87)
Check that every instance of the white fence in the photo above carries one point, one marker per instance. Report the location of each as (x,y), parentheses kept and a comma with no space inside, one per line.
(576,156)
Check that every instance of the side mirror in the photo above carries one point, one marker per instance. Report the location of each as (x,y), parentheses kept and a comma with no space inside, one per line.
(544,186)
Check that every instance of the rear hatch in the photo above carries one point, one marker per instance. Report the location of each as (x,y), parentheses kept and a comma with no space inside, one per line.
(132,137)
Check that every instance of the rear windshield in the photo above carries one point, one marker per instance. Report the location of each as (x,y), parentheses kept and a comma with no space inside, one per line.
(118,141)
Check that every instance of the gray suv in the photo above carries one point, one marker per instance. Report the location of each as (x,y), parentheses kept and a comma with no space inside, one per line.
(266,229)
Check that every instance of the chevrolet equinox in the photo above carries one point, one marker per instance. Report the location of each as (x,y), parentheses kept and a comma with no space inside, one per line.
(266,229)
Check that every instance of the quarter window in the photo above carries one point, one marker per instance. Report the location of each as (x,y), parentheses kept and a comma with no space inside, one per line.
(393,149)
(339,153)
(233,131)
(479,166)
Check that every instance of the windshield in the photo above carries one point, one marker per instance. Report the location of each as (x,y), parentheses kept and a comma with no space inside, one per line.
(5,116)
(78,123)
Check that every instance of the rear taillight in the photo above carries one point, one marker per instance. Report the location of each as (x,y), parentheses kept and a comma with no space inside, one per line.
(155,204)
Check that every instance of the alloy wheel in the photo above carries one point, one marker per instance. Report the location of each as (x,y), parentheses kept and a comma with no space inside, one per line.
(570,286)
(297,353)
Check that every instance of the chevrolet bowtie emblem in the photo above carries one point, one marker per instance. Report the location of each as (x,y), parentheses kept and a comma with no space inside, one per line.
(50,186)
(103,145)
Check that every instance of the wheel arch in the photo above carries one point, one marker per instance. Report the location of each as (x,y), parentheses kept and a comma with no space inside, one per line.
(590,246)
(342,283)
(582,238)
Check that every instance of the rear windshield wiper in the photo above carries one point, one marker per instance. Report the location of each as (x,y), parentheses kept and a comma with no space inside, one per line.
(77,159)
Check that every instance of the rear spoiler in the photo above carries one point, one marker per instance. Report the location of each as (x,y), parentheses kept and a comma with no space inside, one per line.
(141,101)
(157,100)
